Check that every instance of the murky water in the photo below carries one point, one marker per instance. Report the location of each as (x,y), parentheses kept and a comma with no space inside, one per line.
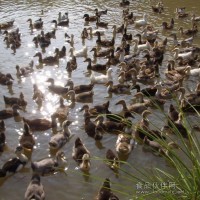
(74,185)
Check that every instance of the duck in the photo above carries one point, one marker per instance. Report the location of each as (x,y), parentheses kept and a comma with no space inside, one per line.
(2,135)
(100,12)
(95,67)
(47,60)
(100,53)
(61,53)
(6,114)
(15,164)
(150,35)
(57,89)
(27,140)
(62,111)
(189,32)
(89,18)
(84,34)
(185,55)
(58,140)
(79,88)
(41,124)
(81,97)
(71,64)
(158,8)
(117,89)
(193,72)
(172,114)
(61,23)
(112,58)
(6,79)
(15,100)
(136,108)
(71,41)
(38,95)
(81,154)
(148,91)
(166,26)
(7,24)
(181,12)
(101,24)
(79,53)
(94,32)
(142,22)
(63,17)
(102,79)
(141,47)
(124,3)
(24,71)
(37,24)
(49,165)
(105,43)
(127,36)
(35,189)
(124,144)
(112,160)
(119,29)
(195,19)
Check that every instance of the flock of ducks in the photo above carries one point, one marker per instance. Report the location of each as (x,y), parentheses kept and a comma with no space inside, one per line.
(139,59)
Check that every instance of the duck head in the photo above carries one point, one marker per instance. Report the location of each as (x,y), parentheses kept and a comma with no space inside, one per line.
(85,164)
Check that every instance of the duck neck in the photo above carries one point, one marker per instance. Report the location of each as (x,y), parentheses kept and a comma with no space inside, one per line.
(40,58)
(66,131)
(89,67)
(53,122)
(22,157)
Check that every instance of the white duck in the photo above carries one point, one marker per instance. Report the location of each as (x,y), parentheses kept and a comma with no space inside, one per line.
(141,47)
(60,139)
(79,53)
(185,55)
(142,22)
(102,78)
(94,32)
(193,72)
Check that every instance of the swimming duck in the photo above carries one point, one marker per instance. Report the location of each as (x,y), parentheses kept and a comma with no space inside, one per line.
(27,140)
(166,26)
(112,160)
(193,72)
(119,29)
(89,18)
(127,36)
(100,53)
(13,165)
(124,3)
(37,24)
(24,71)
(148,91)
(61,23)
(155,146)
(7,24)
(61,53)
(105,43)
(41,124)
(84,33)
(102,78)
(172,114)
(5,114)
(57,89)
(6,79)
(181,12)
(124,144)
(79,53)
(38,95)
(117,89)
(142,22)
(71,40)
(71,64)
(81,154)
(35,189)
(49,165)
(62,111)
(81,97)
(113,59)
(58,140)
(15,100)
(185,55)
(95,67)
(2,135)
(158,8)
(101,24)
(94,32)
(189,32)
(79,88)
(63,17)
(195,19)
(141,47)
(48,59)
(100,12)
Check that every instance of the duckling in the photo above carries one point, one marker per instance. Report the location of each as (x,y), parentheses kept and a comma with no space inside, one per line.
(57,89)
(49,165)
(90,18)
(79,88)
(13,165)
(41,124)
(102,12)
(101,24)
(79,53)
(82,97)
(24,71)
(102,78)
(7,24)
(117,89)
(105,43)
(112,160)
(80,152)
(124,3)
(61,23)
(124,144)
(168,27)
(2,135)
(47,60)
(62,111)
(35,189)
(5,114)
(58,140)
(100,53)
(6,79)
(142,22)
(15,100)
(37,24)
(95,67)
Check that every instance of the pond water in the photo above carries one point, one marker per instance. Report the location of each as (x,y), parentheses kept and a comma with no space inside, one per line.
(74,185)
